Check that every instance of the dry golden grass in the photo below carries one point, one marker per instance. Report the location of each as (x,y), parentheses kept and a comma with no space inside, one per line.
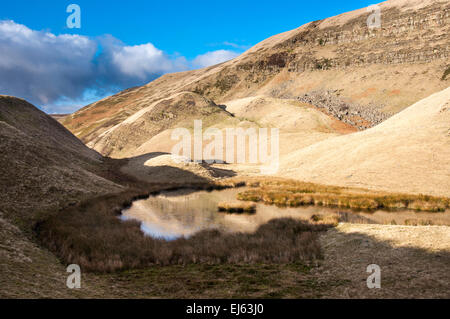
(326,220)
(290,193)
(236,207)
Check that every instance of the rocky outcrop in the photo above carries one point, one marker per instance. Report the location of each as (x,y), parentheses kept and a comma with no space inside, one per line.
(404,37)
(354,114)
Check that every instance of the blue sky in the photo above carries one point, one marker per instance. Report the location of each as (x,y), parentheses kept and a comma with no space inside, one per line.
(161,36)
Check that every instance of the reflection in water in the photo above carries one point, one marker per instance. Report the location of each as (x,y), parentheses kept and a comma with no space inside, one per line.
(175,214)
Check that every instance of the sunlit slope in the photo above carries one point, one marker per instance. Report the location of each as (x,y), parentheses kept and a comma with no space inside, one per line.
(382,70)
(150,129)
(178,111)
(410,152)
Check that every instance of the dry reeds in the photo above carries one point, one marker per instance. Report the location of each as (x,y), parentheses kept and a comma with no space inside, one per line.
(291,193)
(92,235)
(239,208)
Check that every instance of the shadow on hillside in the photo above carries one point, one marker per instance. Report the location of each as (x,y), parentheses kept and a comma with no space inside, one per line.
(166,173)
(141,159)
(406,271)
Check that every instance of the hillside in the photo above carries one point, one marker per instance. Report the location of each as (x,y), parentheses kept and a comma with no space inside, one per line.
(359,76)
(43,168)
(149,130)
(409,153)
(42,165)
(179,110)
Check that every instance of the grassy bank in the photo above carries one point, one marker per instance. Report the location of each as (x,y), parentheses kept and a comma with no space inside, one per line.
(290,193)
(220,281)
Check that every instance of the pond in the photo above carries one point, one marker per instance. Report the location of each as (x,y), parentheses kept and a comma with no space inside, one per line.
(174,214)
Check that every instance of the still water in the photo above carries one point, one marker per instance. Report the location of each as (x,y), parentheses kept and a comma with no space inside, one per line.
(181,213)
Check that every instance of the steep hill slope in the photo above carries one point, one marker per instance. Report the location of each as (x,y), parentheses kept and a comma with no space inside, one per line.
(43,168)
(179,110)
(149,129)
(358,75)
(409,152)
(42,165)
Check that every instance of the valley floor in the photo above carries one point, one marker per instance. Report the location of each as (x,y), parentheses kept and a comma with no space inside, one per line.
(413,261)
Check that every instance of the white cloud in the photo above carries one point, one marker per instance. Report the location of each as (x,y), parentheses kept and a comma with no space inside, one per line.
(213,57)
(121,66)
(140,60)
(53,71)
(41,66)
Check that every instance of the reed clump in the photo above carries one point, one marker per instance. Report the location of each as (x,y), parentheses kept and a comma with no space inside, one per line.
(237,207)
(289,193)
